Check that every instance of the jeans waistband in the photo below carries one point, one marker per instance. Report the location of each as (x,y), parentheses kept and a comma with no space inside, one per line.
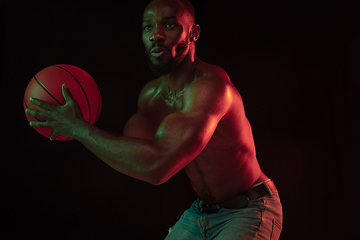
(238,202)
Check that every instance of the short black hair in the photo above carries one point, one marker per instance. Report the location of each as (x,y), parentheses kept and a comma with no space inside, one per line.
(189,7)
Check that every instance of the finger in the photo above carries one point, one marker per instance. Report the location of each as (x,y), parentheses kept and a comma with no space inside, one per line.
(35,113)
(53,136)
(41,104)
(38,124)
(66,93)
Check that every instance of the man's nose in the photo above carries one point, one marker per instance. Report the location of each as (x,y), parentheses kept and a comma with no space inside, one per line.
(157,36)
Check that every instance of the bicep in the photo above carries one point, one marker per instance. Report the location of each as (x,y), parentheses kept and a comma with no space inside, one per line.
(182,132)
(138,126)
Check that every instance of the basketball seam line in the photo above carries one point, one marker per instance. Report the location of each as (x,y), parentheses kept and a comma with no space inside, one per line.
(87,99)
(42,85)
(98,111)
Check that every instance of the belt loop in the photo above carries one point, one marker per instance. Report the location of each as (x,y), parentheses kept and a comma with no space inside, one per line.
(267,187)
(196,205)
(270,186)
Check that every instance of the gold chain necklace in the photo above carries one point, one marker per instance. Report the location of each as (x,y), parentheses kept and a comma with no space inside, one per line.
(172,97)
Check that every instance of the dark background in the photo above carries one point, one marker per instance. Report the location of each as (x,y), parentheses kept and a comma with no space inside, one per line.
(295,63)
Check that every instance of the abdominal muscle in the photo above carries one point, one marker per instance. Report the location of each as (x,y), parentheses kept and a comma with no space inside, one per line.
(223,176)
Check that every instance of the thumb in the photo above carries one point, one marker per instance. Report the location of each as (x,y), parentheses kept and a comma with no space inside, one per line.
(66,93)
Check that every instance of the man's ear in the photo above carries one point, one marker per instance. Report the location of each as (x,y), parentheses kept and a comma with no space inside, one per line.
(195,33)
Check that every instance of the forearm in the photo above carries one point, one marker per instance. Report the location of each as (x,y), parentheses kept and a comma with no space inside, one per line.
(134,157)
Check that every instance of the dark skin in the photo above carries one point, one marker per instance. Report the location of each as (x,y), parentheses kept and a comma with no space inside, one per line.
(191,118)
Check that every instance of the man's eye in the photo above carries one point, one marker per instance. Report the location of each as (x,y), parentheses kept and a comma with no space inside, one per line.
(147,28)
(170,25)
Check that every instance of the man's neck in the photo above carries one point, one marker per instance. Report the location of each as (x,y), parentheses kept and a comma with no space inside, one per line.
(183,75)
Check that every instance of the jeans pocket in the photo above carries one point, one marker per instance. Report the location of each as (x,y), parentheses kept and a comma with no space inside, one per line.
(276,230)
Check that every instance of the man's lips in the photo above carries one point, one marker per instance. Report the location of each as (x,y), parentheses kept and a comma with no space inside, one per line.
(158,51)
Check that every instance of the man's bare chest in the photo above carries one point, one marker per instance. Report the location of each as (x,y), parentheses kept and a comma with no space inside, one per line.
(159,107)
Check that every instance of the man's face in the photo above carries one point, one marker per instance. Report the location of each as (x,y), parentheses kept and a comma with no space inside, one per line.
(166,28)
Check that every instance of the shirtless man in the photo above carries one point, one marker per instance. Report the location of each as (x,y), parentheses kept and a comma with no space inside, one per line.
(192,118)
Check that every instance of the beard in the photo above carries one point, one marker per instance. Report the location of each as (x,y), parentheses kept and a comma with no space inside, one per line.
(162,68)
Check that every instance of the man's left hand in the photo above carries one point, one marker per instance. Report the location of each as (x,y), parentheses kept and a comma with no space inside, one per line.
(64,120)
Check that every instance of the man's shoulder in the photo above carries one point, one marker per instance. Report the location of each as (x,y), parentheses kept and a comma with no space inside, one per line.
(211,80)
(210,71)
(212,91)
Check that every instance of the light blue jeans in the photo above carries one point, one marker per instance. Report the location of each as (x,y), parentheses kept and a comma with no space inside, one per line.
(261,219)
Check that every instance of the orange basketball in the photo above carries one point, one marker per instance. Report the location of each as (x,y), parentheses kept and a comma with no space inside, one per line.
(46,85)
